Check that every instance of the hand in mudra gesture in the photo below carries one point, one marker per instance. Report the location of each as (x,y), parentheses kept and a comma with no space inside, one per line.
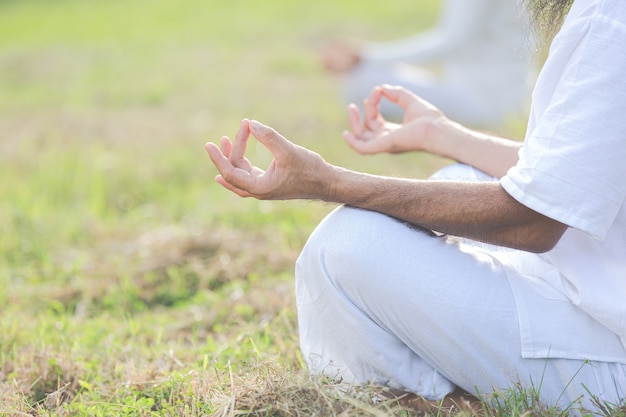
(295,172)
(373,134)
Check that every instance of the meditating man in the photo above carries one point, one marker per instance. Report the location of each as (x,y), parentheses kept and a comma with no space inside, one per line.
(506,268)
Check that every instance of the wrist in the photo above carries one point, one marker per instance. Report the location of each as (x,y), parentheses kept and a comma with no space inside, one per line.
(443,137)
(354,188)
(329,185)
(319,182)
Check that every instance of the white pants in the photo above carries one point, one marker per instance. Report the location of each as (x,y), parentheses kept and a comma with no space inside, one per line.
(382,302)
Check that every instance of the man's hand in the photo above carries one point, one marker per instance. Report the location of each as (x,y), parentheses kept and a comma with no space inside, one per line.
(374,134)
(295,171)
(481,211)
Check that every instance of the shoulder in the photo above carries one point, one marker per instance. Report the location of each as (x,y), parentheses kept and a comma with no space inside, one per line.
(601,16)
(590,45)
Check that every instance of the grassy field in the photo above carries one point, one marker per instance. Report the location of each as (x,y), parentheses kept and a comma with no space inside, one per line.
(130,283)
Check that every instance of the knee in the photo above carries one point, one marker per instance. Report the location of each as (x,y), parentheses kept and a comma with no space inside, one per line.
(339,243)
(352,246)
(337,236)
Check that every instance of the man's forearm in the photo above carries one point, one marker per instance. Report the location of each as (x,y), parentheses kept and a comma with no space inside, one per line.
(477,210)
(485,152)
(481,211)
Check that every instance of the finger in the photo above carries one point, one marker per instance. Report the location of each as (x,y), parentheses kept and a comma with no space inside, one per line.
(240,192)
(226,146)
(398,95)
(352,141)
(354,118)
(231,177)
(241,142)
(217,156)
(364,147)
(270,138)
(373,118)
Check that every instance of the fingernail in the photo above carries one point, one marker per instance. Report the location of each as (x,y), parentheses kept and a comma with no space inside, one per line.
(254,124)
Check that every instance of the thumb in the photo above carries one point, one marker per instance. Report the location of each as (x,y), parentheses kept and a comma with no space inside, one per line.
(399,95)
(270,138)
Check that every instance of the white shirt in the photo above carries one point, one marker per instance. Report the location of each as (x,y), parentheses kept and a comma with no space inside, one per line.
(572,168)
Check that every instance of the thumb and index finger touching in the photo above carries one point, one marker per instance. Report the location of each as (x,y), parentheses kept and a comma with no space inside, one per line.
(398,95)
(362,132)
(232,155)
(270,138)
(372,119)
(275,142)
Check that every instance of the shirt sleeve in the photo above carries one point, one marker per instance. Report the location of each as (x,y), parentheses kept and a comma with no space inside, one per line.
(572,167)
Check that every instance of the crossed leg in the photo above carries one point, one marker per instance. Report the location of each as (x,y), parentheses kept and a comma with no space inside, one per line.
(382,302)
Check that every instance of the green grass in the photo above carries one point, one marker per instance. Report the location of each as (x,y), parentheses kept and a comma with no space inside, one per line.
(130,283)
